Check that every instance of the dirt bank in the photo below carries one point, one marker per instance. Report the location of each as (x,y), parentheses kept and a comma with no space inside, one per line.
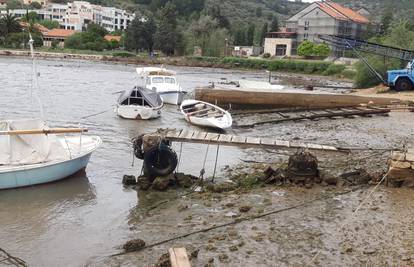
(384,91)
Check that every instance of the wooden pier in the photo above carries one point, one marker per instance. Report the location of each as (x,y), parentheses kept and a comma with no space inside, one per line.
(241,141)
(276,116)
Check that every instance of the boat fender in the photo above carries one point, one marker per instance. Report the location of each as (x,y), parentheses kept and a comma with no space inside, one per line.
(160,160)
(137,145)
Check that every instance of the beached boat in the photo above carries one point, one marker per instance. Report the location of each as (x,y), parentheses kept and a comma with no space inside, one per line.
(205,114)
(164,82)
(139,103)
(32,153)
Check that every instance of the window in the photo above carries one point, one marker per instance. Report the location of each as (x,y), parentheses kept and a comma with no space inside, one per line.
(148,80)
(169,80)
(306,25)
(158,80)
(281,50)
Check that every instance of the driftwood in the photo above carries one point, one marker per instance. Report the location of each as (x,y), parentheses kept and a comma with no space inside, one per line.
(8,259)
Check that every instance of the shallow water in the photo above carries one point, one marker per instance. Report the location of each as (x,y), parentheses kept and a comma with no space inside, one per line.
(67,223)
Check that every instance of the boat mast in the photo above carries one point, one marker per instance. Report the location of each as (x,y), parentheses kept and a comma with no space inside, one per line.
(35,81)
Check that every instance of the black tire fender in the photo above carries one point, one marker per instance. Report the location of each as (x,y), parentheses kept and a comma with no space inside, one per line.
(160,161)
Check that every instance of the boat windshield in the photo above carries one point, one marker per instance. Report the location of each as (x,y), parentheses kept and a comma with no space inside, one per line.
(169,80)
(409,65)
(158,80)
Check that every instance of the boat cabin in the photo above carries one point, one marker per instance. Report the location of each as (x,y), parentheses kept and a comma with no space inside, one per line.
(140,97)
(157,80)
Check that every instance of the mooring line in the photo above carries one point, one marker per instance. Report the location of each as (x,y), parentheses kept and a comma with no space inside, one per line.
(239,220)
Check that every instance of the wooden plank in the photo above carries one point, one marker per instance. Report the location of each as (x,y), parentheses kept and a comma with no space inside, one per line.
(173,133)
(45,131)
(225,138)
(178,257)
(212,136)
(188,135)
(253,141)
(314,146)
(238,139)
(199,136)
(282,143)
(267,141)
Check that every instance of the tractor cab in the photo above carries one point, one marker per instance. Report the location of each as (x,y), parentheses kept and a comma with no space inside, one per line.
(402,80)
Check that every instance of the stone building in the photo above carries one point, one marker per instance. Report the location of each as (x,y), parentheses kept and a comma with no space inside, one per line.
(318,18)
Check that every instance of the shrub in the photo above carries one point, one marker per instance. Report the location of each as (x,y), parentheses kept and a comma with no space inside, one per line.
(334,69)
(321,50)
(306,49)
(266,55)
(364,78)
(123,54)
(349,74)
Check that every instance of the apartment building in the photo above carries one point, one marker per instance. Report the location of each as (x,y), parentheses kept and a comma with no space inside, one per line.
(316,19)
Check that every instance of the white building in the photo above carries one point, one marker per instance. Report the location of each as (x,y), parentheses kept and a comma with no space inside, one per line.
(78,14)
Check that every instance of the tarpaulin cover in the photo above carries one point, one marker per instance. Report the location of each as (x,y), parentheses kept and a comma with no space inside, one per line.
(30,148)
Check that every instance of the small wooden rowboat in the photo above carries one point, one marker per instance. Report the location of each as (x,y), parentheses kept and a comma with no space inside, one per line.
(205,114)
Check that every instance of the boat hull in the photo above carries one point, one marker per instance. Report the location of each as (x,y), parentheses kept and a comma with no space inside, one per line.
(137,112)
(43,174)
(172,97)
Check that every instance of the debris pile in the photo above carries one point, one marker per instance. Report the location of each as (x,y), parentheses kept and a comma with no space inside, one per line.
(161,183)
(401,172)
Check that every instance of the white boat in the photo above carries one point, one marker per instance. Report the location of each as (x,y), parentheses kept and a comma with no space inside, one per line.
(33,154)
(139,103)
(164,82)
(205,114)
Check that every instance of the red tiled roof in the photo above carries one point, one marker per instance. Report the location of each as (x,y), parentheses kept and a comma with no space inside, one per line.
(38,26)
(3,1)
(112,37)
(341,13)
(59,33)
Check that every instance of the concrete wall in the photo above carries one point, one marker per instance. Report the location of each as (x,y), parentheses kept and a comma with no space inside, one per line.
(270,45)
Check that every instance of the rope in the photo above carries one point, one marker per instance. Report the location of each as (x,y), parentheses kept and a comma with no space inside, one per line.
(215,164)
(11,260)
(203,170)
(179,157)
(96,114)
(240,220)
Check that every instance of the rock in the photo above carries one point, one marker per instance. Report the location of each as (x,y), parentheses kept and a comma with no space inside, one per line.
(160,184)
(233,248)
(129,180)
(301,166)
(182,207)
(409,156)
(144,183)
(400,164)
(183,180)
(398,155)
(244,208)
(369,251)
(223,257)
(328,179)
(357,177)
(164,261)
(222,187)
(134,245)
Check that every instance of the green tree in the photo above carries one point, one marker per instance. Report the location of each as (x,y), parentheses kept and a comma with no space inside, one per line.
(222,20)
(202,31)
(274,27)
(30,17)
(35,5)
(306,49)
(140,34)
(259,12)
(166,37)
(9,24)
(386,20)
(263,33)
(50,24)
(240,36)
(14,4)
(399,35)
(250,34)
(96,29)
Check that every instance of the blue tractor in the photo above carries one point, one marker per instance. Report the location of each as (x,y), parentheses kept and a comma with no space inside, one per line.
(401,80)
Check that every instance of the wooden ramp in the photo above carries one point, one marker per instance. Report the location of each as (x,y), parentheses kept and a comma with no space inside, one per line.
(241,141)
(276,116)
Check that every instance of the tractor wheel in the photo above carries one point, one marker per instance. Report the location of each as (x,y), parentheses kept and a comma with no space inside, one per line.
(403,84)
